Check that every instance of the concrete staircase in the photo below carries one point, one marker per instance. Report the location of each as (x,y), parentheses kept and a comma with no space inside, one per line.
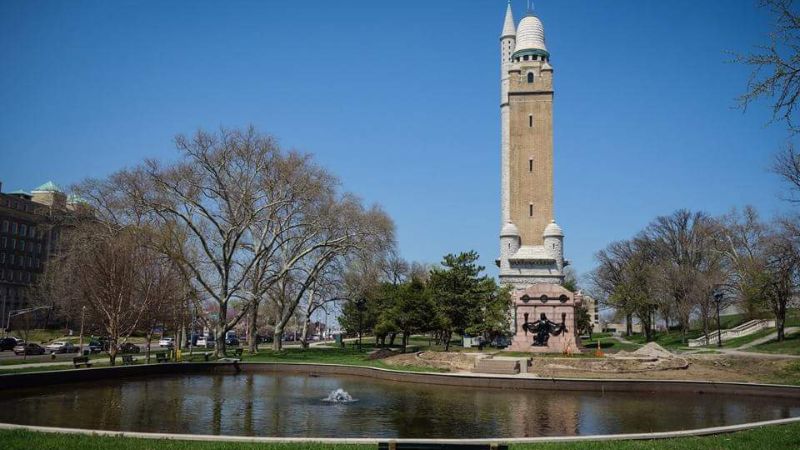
(744,329)
(497,366)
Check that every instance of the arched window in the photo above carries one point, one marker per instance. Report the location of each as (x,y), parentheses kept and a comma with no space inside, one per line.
(530,77)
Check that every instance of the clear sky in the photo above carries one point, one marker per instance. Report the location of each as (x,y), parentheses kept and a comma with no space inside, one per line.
(401,100)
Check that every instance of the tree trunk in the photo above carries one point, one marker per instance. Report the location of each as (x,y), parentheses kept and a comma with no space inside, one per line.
(252,341)
(304,333)
(147,347)
(391,339)
(277,340)
(780,321)
(446,339)
(629,325)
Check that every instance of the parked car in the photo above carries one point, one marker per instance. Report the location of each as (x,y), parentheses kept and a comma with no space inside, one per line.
(29,349)
(95,346)
(129,347)
(7,344)
(232,341)
(205,342)
(166,342)
(61,347)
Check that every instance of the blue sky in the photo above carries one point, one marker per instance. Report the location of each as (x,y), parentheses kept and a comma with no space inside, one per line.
(401,100)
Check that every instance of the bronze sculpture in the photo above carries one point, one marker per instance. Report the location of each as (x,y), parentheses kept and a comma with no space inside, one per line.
(543,328)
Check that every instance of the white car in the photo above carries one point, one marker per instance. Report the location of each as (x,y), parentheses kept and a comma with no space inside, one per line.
(205,342)
(166,342)
(61,347)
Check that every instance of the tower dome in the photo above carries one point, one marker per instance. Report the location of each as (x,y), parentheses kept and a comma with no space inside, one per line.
(509,229)
(530,37)
(552,229)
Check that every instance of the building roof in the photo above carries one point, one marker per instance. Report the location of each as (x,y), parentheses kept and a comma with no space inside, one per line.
(48,187)
(508,26)
(531,253)
(552,229)
(22,193)
(530,36)
(509,229)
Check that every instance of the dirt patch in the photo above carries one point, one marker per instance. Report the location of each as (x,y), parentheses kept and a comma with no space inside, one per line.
(452,361)
(651,350)
(381,354)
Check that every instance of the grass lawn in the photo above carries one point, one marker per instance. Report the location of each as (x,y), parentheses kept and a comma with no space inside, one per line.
(774,437)
(789,346)
(738,342)
(349,356)
(607,344)
(671,340)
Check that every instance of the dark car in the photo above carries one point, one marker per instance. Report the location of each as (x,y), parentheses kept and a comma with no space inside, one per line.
(29,349)
(129,348)
(95,346)
(7,344)
(232,342)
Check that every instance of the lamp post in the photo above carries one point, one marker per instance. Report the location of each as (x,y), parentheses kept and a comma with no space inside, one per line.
(718,296)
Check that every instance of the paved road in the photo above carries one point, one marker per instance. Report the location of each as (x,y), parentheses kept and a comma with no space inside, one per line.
(10,356)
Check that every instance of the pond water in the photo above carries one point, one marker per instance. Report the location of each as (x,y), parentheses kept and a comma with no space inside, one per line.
(257,404)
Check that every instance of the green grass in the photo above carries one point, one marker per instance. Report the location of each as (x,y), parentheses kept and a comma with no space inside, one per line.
(348,356)
(773,437)
(608,344)
(789,346)
(671,340)
(738,342)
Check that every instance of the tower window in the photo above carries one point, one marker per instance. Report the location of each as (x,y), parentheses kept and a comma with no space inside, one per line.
(530,210)
(530,120)
(525,57)
(530,77)
(530,165)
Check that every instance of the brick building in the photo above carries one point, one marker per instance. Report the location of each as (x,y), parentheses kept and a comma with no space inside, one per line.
(28,237)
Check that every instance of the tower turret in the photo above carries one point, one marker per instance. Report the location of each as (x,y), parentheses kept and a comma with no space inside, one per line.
(508,39)
(509,244)
(553,238)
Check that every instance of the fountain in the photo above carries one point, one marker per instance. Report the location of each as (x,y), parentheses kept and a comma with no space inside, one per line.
(339,396)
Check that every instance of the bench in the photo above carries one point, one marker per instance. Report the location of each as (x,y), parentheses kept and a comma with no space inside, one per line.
(81,361)
(237,352)
(127,360)
(497,366)
(392,445)
(161,357)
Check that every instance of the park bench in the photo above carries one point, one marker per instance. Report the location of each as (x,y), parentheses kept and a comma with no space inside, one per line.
(237,352)
(392,445)
(162,357)
(127,360)
(497,366)
(81,361)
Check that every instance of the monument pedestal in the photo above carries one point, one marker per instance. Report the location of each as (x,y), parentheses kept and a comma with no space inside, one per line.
(558,305)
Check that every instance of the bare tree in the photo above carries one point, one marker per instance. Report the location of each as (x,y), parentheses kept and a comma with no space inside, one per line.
(776,65)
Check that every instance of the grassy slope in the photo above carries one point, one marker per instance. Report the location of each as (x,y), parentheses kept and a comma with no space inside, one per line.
(329,355)
(775,437)
(789,346)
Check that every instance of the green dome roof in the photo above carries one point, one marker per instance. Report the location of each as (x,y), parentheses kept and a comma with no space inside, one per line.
(48,187)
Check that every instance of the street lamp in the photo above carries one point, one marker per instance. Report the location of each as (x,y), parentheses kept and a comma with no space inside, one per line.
(19,312)
(83,315)
(718,296)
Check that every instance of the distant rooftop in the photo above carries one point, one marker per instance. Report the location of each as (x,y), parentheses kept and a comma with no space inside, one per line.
(48,187)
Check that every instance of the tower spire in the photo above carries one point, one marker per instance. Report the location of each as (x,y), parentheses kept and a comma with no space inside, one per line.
(508,26)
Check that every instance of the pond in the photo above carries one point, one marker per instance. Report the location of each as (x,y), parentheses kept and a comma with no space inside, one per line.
(292,405)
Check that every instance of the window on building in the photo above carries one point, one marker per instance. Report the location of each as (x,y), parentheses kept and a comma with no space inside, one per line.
(23,229)
(39,248)
(13,227)
(2,258)
(13,244)
(530,165)
(3,242)
(22,245)
(30,260)
(530,210)
(530,120)
(32,233)
(11,259)
(525,58)
(5,226)
(530,77)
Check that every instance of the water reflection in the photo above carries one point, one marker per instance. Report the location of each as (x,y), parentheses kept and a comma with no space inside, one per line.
(291,405)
